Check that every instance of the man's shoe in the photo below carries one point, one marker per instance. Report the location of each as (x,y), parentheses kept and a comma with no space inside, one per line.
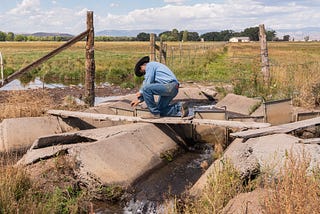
(150,116)
(184,109)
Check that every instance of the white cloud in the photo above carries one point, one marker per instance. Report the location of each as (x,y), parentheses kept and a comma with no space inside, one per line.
(26,7)
(232,14)
(28,16)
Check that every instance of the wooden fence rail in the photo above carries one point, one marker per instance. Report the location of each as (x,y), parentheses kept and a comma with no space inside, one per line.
(90,63)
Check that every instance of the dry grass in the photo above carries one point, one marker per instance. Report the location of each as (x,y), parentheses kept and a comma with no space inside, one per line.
(294,69)
(53,190)
(223,184)
(25,104)
(297,190)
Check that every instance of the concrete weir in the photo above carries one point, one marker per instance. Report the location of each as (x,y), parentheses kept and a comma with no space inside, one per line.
(20,133)
(116,155)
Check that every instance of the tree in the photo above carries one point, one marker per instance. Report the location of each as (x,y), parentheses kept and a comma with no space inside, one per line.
(252,33)
(193,36)
(175,34)
(10,36)
(20,38)
(143,36)
(286,38)
(271,35)
(185,36)
(211,36)
(3,36)
(306,38)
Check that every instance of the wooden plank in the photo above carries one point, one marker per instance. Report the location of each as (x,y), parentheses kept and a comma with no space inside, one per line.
(165,120)
(285,128)
(230,124)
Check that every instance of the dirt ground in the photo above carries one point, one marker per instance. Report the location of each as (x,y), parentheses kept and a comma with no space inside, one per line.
(58,94)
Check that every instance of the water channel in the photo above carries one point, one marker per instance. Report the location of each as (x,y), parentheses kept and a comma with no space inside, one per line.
(150,194)
(155,191)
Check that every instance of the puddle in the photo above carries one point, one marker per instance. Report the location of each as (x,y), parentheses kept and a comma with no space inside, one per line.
(151,193)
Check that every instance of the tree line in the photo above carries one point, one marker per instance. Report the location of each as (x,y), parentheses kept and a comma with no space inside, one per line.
(173,35)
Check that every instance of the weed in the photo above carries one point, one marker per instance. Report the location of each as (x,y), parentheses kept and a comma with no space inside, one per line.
(296,190)
(111,193)
(222,185)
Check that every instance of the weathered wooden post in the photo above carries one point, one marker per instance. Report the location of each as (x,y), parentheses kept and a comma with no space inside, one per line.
(90,63)
(265,68)
(161,50)
(164,53)
(152,47)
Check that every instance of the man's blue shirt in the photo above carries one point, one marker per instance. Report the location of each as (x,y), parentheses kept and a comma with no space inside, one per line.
(158,73)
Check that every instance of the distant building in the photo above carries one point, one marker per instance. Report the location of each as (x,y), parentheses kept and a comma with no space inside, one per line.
(239,39)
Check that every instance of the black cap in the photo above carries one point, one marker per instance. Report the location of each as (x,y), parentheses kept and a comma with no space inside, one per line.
(143,60)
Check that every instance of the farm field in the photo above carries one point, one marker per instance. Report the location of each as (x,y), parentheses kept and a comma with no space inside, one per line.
(294,71)
(294,66)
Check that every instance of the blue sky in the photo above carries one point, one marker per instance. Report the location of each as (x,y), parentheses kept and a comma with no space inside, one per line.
(68,16)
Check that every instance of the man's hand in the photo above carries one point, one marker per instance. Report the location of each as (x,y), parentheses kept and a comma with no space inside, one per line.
(134,103)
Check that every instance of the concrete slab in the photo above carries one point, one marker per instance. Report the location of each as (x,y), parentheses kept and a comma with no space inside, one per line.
(239,104)
(117,155)
(262,153)
(20,133)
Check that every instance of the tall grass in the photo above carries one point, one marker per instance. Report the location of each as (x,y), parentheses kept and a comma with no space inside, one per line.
(294,69)
(222,185)
(297,188)
(22,193)
(294,66)
(25,104)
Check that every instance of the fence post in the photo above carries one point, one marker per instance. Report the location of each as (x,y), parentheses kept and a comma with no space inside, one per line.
(265,69)
(1,65)
(152,47)
(90,63)
(164,53)
(160,50)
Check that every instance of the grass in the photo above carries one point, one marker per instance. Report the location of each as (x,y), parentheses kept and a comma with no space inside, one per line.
(294,71)
(22,193)
(294,66)
(295,189)
(22,104)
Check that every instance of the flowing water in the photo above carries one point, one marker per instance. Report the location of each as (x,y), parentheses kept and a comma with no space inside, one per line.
(151,194)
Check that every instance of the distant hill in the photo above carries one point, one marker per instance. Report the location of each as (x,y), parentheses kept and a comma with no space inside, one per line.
(130,33)
(43,34)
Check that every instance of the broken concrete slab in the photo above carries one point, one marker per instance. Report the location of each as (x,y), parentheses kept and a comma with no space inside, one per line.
(249,203)
(20,133)
(259,154)
(117,155)
(239,104)
(191,93)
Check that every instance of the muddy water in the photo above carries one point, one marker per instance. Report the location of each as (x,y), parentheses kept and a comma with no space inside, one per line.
(164,184)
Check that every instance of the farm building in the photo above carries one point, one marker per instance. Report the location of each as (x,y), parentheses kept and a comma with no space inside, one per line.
(239,39)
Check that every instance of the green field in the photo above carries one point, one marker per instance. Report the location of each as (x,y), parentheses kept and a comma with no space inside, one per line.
(294,67)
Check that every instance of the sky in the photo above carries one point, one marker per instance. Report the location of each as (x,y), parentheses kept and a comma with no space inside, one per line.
(301,18)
